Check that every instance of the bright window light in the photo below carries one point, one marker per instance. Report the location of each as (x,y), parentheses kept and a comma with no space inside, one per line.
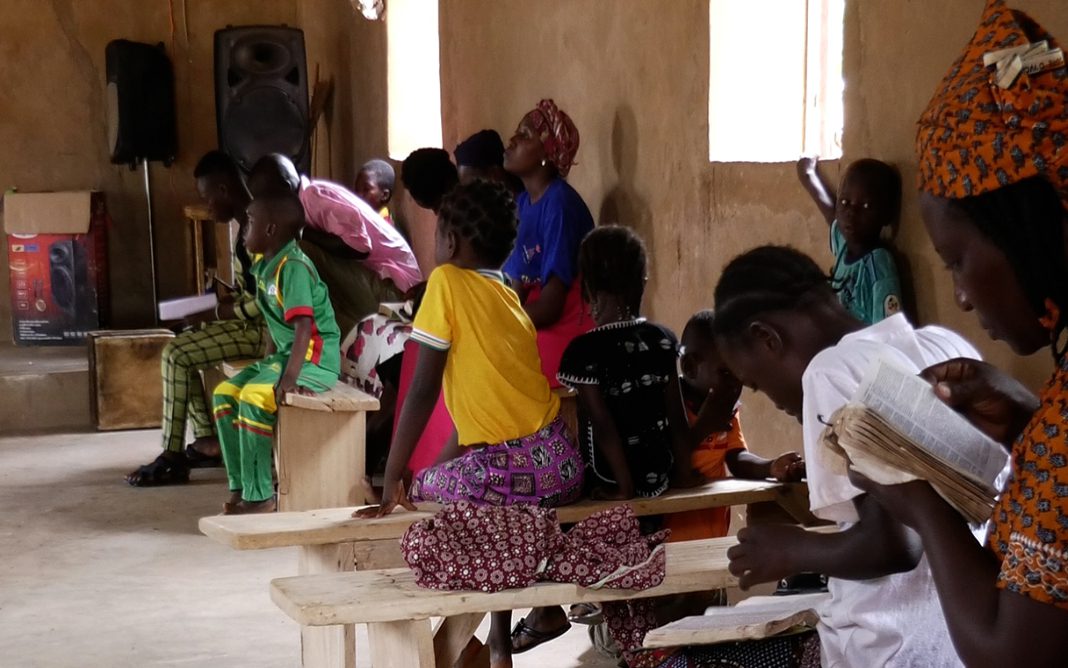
(414,76)
(775,79)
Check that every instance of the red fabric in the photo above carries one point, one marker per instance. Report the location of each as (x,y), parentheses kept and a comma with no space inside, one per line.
(438,428)
(493,548)
(559,136)
(554,339)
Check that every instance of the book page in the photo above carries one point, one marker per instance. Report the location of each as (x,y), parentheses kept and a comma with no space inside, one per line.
(910,405)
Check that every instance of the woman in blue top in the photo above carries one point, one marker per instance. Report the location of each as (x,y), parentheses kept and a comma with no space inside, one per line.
(553,220)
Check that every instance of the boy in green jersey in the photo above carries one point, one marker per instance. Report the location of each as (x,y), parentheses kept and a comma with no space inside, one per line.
(303,354)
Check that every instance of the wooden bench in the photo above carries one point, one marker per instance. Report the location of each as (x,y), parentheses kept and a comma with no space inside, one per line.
(398,612)
(331,540)
(320,446)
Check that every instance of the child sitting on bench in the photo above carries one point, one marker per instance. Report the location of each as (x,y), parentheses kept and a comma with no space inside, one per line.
(632,426)
(303,354)
(710,396)
(479,343)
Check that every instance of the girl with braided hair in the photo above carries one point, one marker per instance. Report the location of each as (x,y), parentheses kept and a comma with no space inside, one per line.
(781,330)
(511,446)
(553,220)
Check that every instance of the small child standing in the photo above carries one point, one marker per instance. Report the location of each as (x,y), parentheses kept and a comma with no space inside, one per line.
(374,185)
(303,354)
(865,274)
(710,396)
(480,345)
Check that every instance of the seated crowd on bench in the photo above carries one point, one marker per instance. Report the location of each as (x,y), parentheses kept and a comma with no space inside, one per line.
(526,294)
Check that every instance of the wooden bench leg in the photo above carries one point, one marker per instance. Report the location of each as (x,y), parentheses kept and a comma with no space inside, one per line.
(407,644)
(453,635)
(320,458)
(327,646)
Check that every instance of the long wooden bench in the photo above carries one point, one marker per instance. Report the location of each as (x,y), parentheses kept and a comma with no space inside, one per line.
(398,612)
(331,540)
(319,446)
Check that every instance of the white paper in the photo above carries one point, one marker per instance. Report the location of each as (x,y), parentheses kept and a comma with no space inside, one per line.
(176,309)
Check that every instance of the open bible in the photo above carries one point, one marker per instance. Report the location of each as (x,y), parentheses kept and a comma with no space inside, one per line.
(896,429)
(754,618)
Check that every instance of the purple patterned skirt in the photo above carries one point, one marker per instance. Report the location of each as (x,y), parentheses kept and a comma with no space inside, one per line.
(543,469)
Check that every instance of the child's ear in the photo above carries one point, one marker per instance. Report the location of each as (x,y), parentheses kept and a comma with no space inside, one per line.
(387,195)
(765,335)
(270,229)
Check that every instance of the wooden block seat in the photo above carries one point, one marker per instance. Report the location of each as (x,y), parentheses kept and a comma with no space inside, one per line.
(398,611)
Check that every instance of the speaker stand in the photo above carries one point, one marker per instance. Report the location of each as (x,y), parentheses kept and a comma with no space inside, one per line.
(151,245)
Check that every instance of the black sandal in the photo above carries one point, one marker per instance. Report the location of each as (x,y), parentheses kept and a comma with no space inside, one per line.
(161,471)
(585,613)
(198,460)
(536,637)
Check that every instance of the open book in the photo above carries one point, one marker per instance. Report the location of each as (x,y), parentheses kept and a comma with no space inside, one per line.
(896,429)
(753,618)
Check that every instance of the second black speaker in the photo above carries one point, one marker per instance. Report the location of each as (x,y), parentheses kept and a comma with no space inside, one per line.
(261,94)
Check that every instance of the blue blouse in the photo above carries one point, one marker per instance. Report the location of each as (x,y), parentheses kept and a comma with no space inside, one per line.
(550,231)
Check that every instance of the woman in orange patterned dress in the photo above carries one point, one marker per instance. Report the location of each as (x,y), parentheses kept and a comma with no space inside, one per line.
(994,190)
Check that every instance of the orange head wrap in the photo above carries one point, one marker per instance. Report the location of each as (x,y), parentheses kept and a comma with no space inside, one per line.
(975,136)
(559,136)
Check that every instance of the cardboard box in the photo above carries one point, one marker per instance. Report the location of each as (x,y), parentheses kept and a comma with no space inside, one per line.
(57,254)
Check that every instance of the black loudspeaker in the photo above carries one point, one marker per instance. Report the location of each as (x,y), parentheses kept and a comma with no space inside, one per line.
(140,99)
(67,272)
(261,94)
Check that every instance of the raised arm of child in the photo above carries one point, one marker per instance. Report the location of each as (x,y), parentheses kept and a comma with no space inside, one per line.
(287,382)
(816,187)
(418,406)
(608,443)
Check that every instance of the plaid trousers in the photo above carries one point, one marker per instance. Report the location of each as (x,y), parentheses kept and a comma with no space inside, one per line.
(185,357)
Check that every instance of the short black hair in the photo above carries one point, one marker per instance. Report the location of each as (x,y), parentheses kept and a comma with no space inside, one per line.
(483,213)
(383,174)
(216,163)
(885,178)
(482,150)
(273,174)
(702,325)
(286,210)
(1026,221)
(765,279)
(612,259)
(429,174)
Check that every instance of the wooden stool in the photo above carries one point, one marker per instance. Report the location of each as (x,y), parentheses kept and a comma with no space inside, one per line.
(126,390)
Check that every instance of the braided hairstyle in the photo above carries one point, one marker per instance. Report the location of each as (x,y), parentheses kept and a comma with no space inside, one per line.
(764,279)
(1026,221)
(483,213)
(612,260)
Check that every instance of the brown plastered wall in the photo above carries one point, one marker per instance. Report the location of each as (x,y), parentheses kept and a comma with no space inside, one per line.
(634,76)
(53,134)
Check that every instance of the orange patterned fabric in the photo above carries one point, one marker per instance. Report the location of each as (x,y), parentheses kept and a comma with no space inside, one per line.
(1029,531)
(975,137)
(559,136)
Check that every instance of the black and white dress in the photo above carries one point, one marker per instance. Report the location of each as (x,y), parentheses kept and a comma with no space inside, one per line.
(631,362)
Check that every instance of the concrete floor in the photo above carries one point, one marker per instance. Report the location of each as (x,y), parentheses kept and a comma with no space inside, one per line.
(96,573)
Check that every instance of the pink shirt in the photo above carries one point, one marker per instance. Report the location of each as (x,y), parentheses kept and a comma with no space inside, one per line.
(333,209)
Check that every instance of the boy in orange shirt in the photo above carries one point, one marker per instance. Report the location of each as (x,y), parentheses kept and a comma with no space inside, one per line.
(710,395)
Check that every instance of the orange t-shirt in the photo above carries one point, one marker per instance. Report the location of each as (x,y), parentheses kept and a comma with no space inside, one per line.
(710,460)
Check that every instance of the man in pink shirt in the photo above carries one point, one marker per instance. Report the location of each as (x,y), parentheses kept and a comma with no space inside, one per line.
(363,260)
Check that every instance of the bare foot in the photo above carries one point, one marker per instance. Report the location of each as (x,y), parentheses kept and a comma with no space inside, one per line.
(207,446)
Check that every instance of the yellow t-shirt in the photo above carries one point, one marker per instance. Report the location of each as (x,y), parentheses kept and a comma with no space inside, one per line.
(494,388)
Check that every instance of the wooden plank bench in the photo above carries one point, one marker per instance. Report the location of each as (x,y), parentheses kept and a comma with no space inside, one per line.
(331,540)
(320,446)
(398,612)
